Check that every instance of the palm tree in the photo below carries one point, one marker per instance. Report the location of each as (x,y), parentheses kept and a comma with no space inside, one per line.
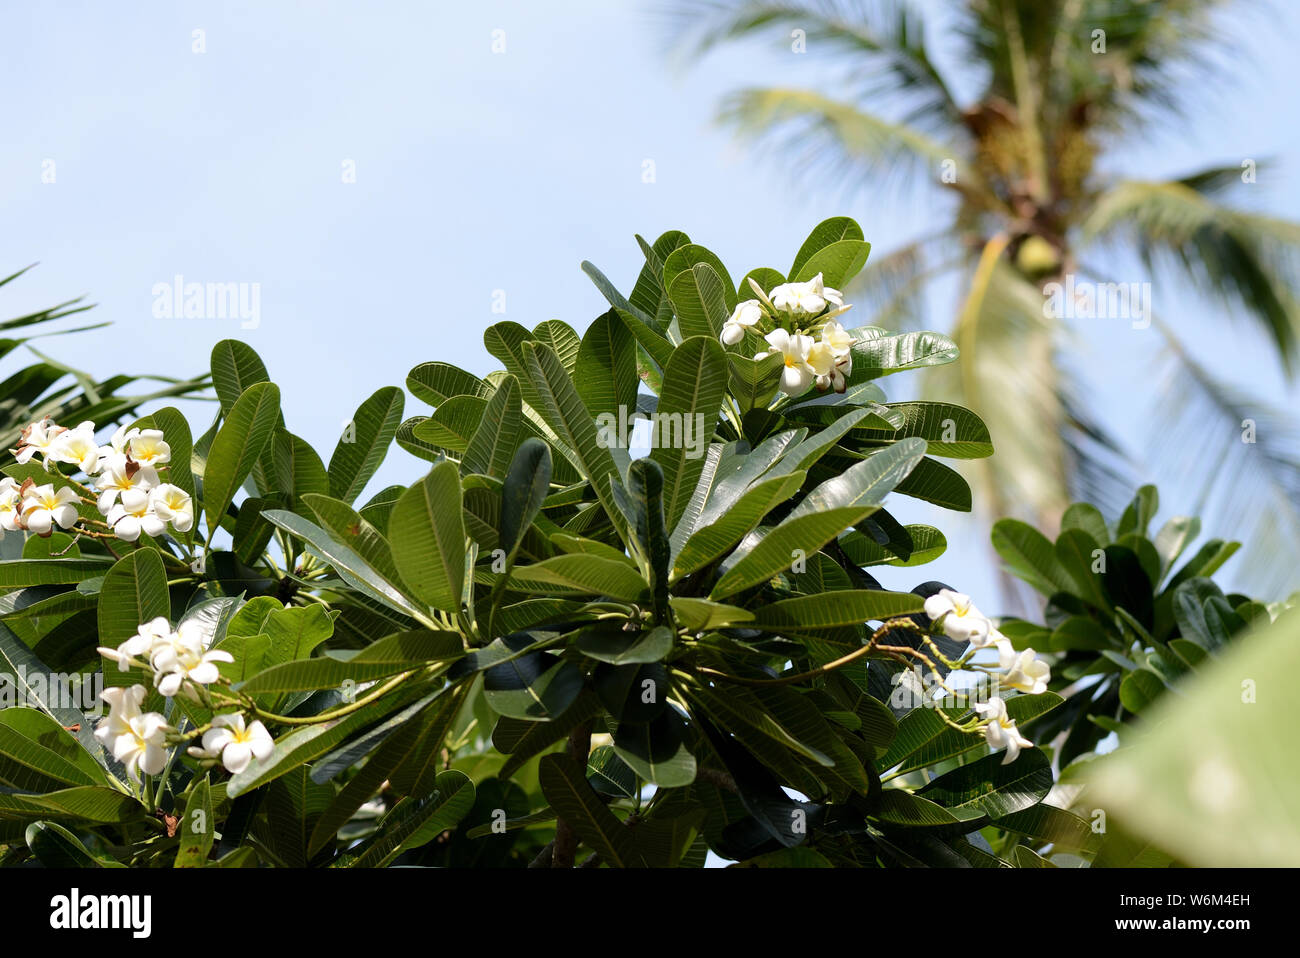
(1020,139)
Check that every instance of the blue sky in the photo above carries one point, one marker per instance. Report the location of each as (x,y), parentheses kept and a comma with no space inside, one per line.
(475,172)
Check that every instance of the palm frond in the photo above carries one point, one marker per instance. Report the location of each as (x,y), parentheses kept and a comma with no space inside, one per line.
(1241,258)
(836,143)
(884,41)
(1247,455)
(1118,59)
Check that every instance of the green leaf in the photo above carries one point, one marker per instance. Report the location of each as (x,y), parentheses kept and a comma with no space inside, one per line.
(644,509)
(527,483)
(435,383)
(562,408)
(754,382)
(626,648)
(37,754)
(493,445)
(365,783)
(235,367)
(364,443)
(533,687)
(249,427)
(25,573)
(1076,551)
(693,390)
(884,355)
(134,592)
(701,615)
(934,482)
(1031,556)
(832,609)
(197,827)
(1084,516)
(925,740)
(927,544)
(826,233)
(566,790)
(609,774)
(351,530)
(687,257)
(988,787)
(838,263)
(1207,775)
(782,546)
(713,540)
(56,847)
(428,537)
(1139,513)
(1067,832)
(699,296)
(354,570)
(1174,536)
(90,803)
(580,574)
(949,430)
(18,665)
(310,742)
(1139,689)
(866,483)
(298,469)
(413,821)
(655,750)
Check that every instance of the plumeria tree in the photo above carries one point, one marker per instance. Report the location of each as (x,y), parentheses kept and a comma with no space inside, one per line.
(629,615)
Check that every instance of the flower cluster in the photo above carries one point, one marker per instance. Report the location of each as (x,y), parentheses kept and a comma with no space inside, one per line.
(959,619)
(129,493)
(36,508)
(174,657)
(813,345)
(181,664)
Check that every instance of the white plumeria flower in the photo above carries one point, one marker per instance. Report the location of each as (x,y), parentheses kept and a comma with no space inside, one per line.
(120,475)
(189,638)
(828,368)
(1025,671)
(148,448)
(11,515)
(38,437)
(173,504)
(133,515)
(123,705)
(961,620)
(1001,731)
(235,742)
(79,447)
(43,507)
(143,746)
(182,657)
(746,314)
(797,375)
(117,446)
(838,339)
(808,298)
(832,296)
(141,645)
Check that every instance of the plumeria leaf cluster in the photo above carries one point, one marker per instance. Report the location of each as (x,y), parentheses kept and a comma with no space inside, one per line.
(1130,611)
(645,600)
